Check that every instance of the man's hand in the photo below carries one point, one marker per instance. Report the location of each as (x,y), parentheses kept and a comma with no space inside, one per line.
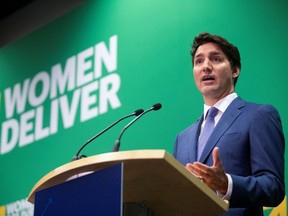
(214,176)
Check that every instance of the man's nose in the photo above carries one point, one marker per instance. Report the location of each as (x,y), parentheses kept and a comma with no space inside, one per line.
(207,66)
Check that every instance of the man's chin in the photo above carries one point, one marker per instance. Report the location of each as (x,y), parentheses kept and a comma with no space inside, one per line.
(208,91)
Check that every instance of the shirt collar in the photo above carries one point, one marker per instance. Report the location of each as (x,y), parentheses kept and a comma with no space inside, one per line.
(222,104)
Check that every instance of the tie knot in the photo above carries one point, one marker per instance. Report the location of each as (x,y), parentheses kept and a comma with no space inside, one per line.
(212,112)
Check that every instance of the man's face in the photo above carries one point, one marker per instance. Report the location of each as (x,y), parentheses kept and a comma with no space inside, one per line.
(213,74)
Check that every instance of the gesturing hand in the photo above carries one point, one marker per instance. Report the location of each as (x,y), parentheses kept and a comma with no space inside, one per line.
(213,176)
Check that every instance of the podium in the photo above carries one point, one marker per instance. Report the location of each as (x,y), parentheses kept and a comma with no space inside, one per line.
(153,176)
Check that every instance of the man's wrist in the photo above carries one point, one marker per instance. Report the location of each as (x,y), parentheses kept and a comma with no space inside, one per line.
(229,186)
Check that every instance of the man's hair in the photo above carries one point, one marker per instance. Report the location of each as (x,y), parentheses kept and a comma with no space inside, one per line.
(228,49)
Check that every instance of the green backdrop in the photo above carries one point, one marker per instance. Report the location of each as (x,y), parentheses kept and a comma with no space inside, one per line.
(153,65)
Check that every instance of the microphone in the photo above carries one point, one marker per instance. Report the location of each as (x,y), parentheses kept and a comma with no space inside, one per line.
(76,157)
(116,146)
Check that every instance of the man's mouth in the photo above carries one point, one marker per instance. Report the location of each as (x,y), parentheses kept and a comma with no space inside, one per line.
(208,78)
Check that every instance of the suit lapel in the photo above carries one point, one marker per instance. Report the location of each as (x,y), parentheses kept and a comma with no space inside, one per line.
(194,142)
(228,117)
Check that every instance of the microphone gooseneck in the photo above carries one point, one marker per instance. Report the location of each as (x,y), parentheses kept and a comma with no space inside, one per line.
(116,146)
(136,113)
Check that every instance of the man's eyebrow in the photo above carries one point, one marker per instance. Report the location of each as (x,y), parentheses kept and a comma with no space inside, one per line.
(198,55)
(216,53)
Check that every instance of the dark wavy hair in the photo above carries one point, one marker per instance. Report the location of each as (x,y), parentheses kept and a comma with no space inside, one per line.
(229,49)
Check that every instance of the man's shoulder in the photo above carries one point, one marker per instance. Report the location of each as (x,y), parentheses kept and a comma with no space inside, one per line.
(254,110)
(253,105)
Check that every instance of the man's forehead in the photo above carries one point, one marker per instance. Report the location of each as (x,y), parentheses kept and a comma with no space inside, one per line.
(208,48)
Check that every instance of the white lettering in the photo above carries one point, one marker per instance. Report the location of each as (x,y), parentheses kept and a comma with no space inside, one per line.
(54,117)
(63,80)
(69,114)
(109,87)
(79,91)
(40,132)
(83,65)
(16,98)
(87,100)
(35,100)
(108,58)
(20,208)
(8,143)
(26,126)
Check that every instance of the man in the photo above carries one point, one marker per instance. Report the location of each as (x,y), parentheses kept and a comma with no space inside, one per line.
(242,159)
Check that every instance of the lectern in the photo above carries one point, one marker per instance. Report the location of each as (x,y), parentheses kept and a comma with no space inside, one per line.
(153,176)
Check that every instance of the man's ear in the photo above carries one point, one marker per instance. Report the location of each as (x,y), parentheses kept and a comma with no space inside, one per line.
(236,72)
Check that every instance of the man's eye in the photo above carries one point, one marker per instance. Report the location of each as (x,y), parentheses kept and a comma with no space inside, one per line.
(217,59)
(198,61)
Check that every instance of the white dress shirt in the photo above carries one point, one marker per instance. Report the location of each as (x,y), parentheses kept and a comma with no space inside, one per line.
(221,105)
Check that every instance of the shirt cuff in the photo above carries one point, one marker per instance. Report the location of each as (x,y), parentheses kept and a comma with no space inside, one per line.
(228,194)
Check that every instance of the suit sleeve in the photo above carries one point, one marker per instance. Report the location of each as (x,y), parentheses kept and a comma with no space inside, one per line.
(265,185)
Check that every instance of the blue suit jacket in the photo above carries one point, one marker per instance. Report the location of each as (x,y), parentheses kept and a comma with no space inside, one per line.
(251,148)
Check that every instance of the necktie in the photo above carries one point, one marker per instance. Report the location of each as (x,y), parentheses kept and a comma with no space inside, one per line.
(207,130)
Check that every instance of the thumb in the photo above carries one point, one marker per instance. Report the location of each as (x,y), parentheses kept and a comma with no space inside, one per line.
(216,158)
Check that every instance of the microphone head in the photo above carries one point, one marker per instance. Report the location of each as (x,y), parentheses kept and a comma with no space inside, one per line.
(157,106)
(138,112)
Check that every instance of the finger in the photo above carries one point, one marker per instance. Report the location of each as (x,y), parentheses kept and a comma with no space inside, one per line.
(198,172)
(193,170)
(201,170)
(189,167)
(216,158)
(201,167)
